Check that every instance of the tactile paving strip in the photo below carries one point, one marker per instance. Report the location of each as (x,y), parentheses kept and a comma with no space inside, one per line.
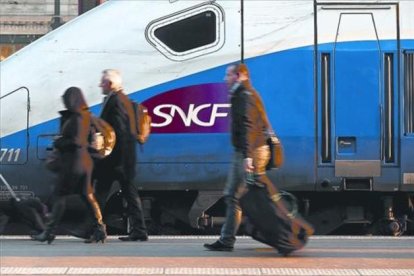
(200,271)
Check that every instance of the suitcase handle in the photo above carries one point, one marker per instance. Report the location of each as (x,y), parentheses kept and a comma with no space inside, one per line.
(13,194)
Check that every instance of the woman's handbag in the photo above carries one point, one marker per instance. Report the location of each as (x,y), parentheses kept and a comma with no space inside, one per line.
(276,153)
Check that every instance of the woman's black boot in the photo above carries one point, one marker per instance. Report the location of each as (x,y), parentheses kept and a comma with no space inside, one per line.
(99,234)
(57,212)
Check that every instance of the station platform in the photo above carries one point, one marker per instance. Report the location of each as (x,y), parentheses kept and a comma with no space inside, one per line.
(185,255)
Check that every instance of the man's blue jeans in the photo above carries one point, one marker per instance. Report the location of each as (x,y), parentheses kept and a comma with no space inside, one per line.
(236,187)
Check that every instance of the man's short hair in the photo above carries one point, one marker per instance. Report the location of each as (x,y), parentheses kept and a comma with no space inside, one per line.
(114,76)
(242,69)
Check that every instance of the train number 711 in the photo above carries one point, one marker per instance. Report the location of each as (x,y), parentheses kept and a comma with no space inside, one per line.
(9,155)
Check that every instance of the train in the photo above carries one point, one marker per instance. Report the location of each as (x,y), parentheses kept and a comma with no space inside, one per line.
(336,79)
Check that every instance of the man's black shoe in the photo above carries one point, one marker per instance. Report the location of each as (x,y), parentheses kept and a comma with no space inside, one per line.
(218,246)
(133,237)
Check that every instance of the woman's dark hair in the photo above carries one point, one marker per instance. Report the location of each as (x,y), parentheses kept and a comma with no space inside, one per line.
(74,100)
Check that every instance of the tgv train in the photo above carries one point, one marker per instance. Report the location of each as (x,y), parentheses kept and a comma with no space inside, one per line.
(336,78)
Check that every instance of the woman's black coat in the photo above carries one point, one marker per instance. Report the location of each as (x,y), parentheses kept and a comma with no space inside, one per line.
(76,169)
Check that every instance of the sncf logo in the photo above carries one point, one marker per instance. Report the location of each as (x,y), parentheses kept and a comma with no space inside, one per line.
(201,108)
(203,115)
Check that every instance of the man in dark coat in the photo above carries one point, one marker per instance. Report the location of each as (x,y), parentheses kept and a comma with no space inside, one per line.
(119,166)
(235,184)
(249,130)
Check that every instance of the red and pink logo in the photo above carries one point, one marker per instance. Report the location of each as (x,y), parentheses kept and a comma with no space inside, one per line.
(200,108)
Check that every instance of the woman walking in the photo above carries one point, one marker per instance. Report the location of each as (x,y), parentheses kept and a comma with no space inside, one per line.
(75,168)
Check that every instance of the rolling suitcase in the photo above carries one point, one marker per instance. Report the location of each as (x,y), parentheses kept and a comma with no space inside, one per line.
(269,222)
(30,211)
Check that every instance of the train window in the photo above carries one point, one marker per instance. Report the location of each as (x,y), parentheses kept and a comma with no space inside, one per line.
(326,107)
(388,108)
(193,32)
(409,92)
(188,34)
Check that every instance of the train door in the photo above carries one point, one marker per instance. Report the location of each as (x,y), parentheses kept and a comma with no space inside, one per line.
(356,92)
(14,141)
(14,112)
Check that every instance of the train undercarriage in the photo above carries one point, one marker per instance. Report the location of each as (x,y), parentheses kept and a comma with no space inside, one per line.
(202,212)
